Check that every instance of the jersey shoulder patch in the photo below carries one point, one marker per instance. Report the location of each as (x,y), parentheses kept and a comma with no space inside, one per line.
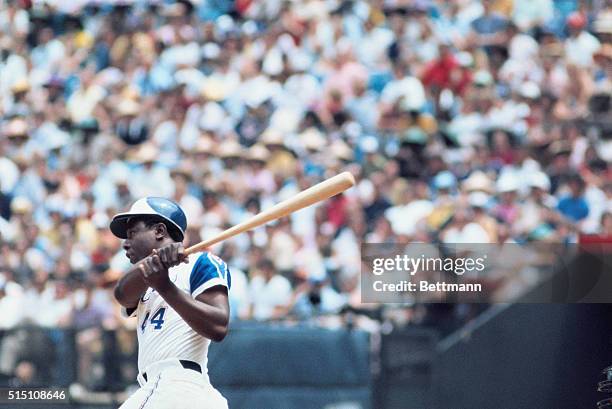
(208,271)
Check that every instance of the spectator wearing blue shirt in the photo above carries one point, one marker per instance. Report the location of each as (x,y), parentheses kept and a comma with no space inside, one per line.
(488,30)
(574,206)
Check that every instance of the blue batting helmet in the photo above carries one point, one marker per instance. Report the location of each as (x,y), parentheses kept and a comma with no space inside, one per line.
(164,209)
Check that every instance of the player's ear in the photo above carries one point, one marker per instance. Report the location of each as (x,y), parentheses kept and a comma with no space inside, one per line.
(161,231)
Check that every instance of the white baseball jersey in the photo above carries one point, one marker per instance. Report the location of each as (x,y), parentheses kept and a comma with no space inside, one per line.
(162,333)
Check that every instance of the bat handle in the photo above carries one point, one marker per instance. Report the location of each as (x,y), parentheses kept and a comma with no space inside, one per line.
(202,246)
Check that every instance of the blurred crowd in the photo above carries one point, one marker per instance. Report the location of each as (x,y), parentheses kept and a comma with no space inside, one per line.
(462,121)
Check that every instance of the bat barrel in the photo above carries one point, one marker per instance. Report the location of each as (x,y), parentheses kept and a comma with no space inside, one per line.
(310,196)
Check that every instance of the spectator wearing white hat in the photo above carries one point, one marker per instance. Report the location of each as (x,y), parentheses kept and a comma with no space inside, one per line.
(507,210)
(462,228)
(536,212)
(480,202)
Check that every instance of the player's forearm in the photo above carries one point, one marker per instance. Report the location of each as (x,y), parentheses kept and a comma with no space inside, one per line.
(130,288)
(207,320)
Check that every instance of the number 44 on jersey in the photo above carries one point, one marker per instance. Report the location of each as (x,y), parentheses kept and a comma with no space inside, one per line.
(157,319)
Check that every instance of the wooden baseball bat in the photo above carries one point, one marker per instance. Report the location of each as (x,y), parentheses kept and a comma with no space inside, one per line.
(313,194)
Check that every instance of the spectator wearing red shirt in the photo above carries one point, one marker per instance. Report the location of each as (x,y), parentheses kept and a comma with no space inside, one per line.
(336,211)
(445,72)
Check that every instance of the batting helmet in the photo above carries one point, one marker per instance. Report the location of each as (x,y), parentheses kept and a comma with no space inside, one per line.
(165,210)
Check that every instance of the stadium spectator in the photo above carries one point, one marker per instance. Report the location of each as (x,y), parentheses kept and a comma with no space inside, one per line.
(270,292)
(573,205)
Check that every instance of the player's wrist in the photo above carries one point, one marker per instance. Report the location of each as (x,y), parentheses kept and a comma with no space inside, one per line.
(164,287)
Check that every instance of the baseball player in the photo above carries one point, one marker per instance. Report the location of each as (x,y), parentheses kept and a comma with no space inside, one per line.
(181,304)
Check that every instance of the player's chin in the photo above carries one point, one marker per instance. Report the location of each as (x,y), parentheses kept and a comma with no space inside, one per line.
(133,259)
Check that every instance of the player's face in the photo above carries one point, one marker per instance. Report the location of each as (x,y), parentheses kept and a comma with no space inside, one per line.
(140,242)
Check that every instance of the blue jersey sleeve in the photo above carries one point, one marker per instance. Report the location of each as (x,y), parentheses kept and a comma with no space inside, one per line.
(207,272)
